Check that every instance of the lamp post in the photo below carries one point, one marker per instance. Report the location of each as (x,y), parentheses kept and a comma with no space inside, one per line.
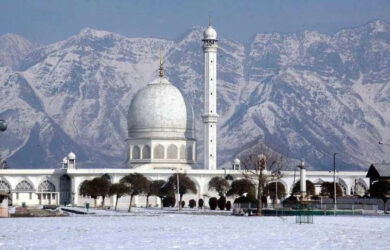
(334,183)
(178,189)
(277,175)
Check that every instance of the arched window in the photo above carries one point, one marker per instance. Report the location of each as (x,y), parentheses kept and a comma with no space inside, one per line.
(189,153)
(172,152)
(158,152)
(343,187)
(182,152)
(4,186)
(136,154)
(46,186)
(360,189)
(24,186)
(146,152)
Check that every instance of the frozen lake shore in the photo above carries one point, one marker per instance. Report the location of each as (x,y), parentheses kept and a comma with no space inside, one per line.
(186,231)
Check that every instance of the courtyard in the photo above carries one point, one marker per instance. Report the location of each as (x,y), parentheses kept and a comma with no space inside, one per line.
(168,230)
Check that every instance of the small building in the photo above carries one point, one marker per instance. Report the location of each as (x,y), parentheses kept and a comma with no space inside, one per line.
(4,204)
(378,172)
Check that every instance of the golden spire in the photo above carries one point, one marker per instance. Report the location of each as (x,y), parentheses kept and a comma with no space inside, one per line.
(161,69)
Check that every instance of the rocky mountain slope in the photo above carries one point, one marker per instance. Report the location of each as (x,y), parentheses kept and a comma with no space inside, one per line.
(13,48)
(306,94)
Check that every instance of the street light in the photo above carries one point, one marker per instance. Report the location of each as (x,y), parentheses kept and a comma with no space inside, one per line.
(178,189)
(277,175)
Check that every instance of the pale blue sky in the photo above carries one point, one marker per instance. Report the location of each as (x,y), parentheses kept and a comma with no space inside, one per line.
(46,21)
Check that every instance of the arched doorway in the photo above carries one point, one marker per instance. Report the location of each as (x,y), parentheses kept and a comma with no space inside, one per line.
(6,188)
(65,190)
(46,193)
(310,188)
(107,177)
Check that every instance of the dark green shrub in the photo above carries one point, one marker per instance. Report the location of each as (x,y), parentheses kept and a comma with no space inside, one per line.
(213,203)
(222,203)
(291,201)
(192,203)
(228,205)
(200,203)
(246,199)
(169,201)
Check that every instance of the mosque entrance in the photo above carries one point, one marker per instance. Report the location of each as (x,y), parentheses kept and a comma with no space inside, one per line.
(65,190)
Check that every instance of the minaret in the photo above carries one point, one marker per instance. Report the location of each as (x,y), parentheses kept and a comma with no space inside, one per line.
(210,116)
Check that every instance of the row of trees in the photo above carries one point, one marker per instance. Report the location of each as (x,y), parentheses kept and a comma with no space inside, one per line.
(262,170)
(137,184)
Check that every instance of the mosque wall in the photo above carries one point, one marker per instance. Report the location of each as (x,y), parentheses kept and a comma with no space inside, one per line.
(42,187)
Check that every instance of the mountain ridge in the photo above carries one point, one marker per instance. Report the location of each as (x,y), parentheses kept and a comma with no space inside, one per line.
(307,94)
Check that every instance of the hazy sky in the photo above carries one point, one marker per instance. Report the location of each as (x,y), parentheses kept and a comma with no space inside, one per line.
(51,20)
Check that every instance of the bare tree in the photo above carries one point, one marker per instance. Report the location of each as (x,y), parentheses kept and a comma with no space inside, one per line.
(262,165)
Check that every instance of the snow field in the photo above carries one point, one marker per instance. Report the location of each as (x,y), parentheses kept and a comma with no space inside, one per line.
(186,231)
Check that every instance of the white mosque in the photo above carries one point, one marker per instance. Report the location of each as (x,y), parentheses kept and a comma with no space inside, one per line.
(160,144)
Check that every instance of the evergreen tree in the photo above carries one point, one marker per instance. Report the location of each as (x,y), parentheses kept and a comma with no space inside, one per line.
(381,190)
(119,190)
(157,188)
(186,185)
(136,184)
(220,185)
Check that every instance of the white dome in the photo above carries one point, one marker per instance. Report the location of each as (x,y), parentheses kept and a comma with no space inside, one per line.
(159,110)
(210,33)
(236,161)
(71,156)
(65,160)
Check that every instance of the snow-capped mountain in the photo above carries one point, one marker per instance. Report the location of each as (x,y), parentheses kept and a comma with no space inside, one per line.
(306,94)
(13,48)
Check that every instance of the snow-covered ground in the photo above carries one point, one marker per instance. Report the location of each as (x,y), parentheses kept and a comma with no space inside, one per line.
(186,231)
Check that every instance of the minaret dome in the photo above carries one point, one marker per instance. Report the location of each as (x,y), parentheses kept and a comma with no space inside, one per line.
(210,34)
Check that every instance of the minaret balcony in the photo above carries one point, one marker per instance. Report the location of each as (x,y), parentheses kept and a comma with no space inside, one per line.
(210,118)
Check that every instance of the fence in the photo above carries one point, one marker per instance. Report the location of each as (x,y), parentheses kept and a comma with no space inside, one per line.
(323,207)
(349,204)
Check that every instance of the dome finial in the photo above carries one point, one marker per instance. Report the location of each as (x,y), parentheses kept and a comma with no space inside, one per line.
(209,21)
(161,69)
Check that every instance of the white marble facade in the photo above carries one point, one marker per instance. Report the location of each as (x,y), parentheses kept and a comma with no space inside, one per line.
(32,188)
